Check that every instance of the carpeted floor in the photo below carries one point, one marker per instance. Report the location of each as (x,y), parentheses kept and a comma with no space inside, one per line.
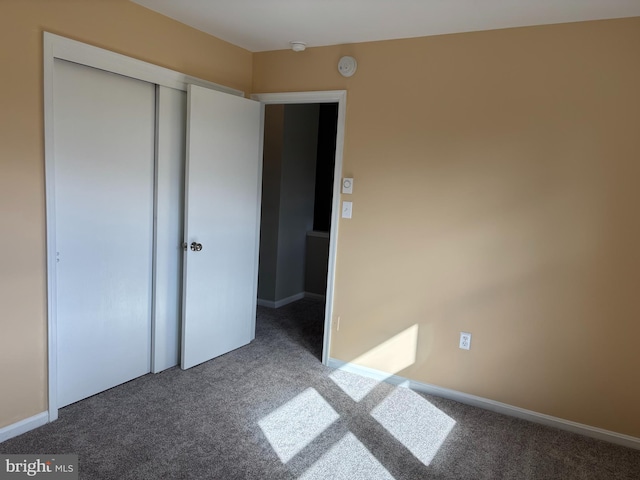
(271,410)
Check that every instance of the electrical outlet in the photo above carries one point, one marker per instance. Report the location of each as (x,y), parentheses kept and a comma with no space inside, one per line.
(465,340)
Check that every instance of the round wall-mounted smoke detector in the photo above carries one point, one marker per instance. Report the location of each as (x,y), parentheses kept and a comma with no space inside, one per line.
(347,66)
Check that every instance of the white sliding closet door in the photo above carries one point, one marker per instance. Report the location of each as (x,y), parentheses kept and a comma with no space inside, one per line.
(222,216)
(104,174)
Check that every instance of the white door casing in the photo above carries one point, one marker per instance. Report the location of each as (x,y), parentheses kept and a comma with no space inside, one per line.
(104,149)
(329,96)
(222,208)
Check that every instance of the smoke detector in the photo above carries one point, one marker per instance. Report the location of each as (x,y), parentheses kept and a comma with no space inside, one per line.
(347,66)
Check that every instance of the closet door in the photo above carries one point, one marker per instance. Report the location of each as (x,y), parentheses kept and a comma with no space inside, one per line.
(104,161)
(170,158)
(223,178)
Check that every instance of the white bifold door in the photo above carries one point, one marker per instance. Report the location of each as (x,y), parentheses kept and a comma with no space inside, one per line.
(106,129)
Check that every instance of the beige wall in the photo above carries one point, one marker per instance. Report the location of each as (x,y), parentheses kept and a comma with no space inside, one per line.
(496,193)
(116,25)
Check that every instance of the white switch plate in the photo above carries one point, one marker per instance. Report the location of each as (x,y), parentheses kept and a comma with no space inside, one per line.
(347,209)
(347,185)
(465,340)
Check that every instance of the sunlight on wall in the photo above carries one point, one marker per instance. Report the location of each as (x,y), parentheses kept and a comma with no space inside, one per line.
(414,422)
(348,458)
(391,356)
(297,423)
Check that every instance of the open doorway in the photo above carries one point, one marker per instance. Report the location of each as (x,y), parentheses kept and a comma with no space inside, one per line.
(297,204)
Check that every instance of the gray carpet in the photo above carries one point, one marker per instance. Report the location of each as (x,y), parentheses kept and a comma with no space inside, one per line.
(271,410)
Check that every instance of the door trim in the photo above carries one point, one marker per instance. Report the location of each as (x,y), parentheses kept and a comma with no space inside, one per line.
(63,48)
(328,96)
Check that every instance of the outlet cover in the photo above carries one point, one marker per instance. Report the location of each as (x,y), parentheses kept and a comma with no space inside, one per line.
(465,340)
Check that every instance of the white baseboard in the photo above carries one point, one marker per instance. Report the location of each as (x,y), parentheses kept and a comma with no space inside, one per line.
(315,296)
(23,426)
(487,404)
(282,302)
(291,299)
(266,303)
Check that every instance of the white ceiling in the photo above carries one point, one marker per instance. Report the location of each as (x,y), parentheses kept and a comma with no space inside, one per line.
(260,25)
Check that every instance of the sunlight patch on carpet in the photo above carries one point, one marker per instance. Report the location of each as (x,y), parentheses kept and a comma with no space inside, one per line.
(414,422)
(356,386)
(348,459)
(297,423)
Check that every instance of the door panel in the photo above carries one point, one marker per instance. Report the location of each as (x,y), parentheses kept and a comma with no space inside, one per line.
(222,214)
(172,118)
(104,154)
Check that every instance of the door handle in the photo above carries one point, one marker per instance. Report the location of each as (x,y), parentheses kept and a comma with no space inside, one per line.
(196,247)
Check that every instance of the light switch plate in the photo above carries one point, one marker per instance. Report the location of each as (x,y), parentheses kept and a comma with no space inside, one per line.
(347,208)
(347,185)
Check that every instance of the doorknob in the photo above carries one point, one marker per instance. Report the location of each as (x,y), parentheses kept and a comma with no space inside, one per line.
(196,247)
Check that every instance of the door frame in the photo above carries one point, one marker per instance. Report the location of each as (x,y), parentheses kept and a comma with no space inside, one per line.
(326,96)
(58,47)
